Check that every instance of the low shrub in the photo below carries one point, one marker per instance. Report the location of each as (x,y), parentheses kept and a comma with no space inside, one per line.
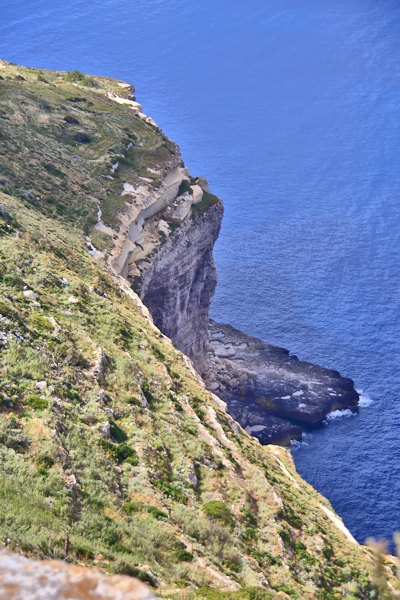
(183,556)
(12,436)
(37,402)
(170,490)
(82,138)
(40,323)
(123,568)
(83,552)
(215,509)
(117,433)
(71,120)
(120,452)
(45,461)
(132,507)
(78,77)
(156,513)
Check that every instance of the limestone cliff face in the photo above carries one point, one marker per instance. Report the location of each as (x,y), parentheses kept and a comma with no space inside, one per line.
(179,285)
(165,251)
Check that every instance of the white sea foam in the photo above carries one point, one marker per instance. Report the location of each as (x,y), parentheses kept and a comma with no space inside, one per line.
(295,444)
(339,414)
(365,400)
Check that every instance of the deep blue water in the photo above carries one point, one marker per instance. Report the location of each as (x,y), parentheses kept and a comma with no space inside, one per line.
(293,114)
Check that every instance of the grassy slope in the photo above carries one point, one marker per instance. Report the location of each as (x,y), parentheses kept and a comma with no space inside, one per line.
(116,460)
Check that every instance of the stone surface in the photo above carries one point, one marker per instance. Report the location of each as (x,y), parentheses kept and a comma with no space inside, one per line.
(145,204)
(179,209)
(23,579)
(197,193)
(30,294)
(179,284)
(41,385)
(272,394)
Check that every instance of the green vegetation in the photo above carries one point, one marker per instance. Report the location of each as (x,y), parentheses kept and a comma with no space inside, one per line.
(110,451)
(205,203)
(216,509)
(78,77)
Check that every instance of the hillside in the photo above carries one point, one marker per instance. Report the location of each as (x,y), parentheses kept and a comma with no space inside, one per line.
(112,452)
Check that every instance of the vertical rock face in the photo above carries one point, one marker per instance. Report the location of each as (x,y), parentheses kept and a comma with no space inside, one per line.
(164,249)
(180,283)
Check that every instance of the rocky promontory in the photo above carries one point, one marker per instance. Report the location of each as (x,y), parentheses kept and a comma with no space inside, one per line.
(272,394)
(164,249)
(113,454)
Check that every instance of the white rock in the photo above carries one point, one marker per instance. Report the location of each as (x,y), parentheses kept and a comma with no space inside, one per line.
(197,193)
(151,121)
(180,209)
(72,300)
(41,385)
(30,294)
(105,430)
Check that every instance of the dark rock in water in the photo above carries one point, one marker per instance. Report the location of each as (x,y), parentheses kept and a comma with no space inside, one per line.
(271,393)
(267,428)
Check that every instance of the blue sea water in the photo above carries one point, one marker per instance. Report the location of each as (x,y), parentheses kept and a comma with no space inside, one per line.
(292,112)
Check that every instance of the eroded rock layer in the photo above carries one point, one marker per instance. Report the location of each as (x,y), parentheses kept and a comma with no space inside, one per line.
(179,285)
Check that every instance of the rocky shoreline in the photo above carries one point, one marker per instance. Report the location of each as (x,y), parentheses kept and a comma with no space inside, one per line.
(272,394)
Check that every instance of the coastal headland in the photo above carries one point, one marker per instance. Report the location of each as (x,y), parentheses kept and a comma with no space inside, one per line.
(164,249)
(116,450)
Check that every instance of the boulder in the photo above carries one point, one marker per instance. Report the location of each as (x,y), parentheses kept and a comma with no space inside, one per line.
(24,579)
(30,294)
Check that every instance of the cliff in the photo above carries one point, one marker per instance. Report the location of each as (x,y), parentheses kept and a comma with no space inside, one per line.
(165,252)
(112,453)
(164,249)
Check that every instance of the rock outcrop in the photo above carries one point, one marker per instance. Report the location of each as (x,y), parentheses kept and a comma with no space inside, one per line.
(23,579)
(272,394)
(165,251)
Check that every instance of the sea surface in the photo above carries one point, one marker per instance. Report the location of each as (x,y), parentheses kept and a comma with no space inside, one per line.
(292,112)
